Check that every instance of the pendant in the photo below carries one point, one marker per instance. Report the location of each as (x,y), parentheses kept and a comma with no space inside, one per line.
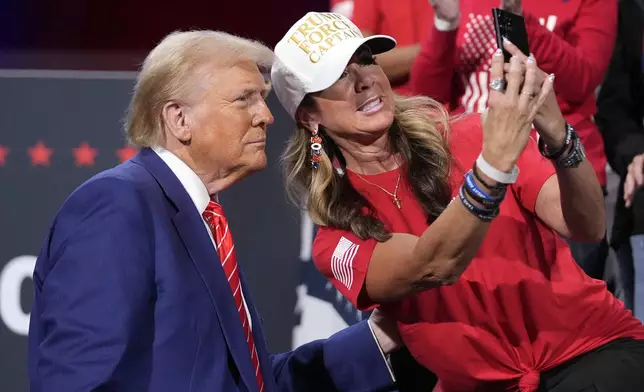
(397,202)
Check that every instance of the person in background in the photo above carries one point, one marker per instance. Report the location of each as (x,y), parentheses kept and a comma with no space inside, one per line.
(453,225)
(620,114)
(137,286)
(572,39)
(407,21)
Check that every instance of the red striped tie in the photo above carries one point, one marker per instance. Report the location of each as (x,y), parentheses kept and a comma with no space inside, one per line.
(214,215)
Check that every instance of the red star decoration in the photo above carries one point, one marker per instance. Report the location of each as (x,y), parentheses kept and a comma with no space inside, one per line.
(3,154)
(126,153)
(84,155)
(40,154)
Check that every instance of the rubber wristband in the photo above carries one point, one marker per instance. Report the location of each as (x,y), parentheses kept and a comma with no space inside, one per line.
(480,213)
(479,195)
(497,187)
(496,174)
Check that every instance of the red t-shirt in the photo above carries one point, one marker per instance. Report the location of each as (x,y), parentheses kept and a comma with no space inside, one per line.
(573,39)
(408,21)
(523,305)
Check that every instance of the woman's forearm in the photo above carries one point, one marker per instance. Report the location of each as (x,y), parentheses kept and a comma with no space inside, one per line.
(445,250)
(582,203)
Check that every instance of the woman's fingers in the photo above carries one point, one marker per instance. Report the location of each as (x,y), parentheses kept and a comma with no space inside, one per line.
(497,76)
(529,90)
(513,50)
(514,78)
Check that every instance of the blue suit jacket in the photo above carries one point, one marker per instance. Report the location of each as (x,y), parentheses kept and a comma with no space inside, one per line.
(130,296)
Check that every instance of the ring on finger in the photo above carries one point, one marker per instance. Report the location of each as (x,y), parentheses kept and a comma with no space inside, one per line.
(498,85)
(529,94)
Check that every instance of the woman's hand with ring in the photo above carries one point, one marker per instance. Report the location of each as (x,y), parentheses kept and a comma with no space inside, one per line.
(511,110)
(548,121)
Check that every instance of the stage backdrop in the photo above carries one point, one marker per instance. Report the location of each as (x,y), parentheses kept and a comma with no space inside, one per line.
(58,128)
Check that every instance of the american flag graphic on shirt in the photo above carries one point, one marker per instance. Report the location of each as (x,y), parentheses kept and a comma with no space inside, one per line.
(342,261)
(321,310)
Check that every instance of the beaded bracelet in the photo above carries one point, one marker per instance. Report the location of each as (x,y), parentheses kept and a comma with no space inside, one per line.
(483,214)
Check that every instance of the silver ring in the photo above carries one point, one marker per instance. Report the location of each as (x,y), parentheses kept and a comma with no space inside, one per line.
(498,85)
(316,146)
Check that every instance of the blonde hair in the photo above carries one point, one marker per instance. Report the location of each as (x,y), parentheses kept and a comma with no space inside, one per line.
(175,70)
(419,133)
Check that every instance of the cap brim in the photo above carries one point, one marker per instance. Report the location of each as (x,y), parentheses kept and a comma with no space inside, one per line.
(333,66)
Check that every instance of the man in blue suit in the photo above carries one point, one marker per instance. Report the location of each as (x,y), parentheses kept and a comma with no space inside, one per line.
(137,287)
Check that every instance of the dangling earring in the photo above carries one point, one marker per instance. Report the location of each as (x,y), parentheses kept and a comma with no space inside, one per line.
(316,148)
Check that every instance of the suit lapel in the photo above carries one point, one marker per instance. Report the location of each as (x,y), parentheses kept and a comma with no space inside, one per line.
(196,239)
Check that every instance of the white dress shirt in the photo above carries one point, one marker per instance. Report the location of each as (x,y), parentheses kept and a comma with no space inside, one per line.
(197,192)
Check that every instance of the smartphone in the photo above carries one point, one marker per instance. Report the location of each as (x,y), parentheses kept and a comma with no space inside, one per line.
(512,27)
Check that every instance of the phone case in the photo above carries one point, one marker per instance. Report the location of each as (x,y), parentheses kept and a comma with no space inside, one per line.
(512,27)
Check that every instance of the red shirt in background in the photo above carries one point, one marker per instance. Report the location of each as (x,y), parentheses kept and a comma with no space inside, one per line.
(573,39)
(408,21)
(523,306)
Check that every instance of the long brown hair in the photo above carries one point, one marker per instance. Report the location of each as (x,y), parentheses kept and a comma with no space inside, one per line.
(418,133)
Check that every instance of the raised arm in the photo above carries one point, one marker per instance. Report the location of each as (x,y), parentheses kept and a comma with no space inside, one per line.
(441,253)
(397,62)
(572,203)
(433,69)
(580,58)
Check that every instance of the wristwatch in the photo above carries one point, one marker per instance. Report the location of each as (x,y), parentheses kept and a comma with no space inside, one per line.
(570,155)
(575,157)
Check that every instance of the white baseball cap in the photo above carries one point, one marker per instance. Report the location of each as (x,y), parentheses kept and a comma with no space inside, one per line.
(314,53)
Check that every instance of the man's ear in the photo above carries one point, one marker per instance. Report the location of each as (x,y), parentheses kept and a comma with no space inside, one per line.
(175,118)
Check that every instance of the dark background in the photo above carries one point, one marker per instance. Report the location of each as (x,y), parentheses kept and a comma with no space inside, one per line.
(120,31)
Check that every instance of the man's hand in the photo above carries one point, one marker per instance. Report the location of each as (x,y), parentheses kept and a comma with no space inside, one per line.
(514,6)
(386,331)
(447,10)
(634,179)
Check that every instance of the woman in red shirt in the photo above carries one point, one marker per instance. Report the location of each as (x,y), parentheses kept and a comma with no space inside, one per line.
(453,226)
(573,39)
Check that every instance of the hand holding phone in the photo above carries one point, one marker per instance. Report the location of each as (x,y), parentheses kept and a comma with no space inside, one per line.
(510,26)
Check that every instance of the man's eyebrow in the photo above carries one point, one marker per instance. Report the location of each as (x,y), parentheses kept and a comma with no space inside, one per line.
(263,91)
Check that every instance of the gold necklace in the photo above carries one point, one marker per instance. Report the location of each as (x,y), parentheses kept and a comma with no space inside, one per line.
(394,195)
